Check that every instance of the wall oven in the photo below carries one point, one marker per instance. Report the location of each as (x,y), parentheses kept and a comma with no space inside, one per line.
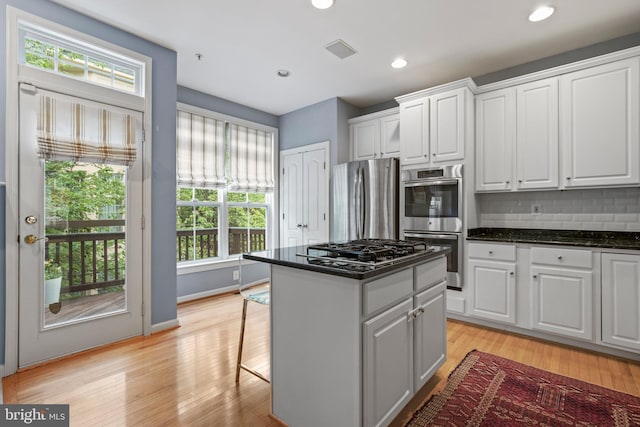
(431,199)
(431,211)
(454,258)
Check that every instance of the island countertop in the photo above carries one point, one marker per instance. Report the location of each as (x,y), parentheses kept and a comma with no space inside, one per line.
(292,257)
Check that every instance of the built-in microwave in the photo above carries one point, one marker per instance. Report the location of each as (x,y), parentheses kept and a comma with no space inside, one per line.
(431,199)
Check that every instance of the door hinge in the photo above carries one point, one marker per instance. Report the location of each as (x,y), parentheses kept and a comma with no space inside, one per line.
(144,135)
(142,308)
(324,165)
(282,219)
(142,222)
(282,171)
(324,216)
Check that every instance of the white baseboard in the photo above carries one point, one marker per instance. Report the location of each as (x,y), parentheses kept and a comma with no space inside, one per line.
(169,324)
(205,294)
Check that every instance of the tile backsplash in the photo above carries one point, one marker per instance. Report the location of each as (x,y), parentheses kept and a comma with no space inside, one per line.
(612,209)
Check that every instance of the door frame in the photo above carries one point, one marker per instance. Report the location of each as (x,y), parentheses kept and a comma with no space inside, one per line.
(326,145)
(71,87)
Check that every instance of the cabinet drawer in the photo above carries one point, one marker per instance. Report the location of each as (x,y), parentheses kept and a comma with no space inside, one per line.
(562,257)
(384,291)
(431,273)
(492,251)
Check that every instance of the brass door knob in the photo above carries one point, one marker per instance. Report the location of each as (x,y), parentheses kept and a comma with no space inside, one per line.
(31,239)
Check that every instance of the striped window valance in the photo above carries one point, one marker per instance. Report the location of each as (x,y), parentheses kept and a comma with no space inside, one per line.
(251,156)
(200,151)
(76,129)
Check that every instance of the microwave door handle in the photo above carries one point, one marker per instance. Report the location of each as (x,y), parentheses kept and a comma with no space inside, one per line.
(423,182)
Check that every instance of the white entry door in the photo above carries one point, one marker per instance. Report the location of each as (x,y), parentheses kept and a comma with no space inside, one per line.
(305,195)
(80,237)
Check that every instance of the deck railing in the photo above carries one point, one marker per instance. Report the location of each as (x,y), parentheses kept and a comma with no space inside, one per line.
(206,242)
(95,260)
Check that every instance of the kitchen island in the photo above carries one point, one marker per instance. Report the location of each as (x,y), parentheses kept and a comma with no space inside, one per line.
(351,347)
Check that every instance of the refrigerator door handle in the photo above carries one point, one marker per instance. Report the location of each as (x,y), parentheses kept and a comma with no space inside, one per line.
(358,205)
(363,203)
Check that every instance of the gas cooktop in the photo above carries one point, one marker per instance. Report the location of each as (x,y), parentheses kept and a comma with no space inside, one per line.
(363,254)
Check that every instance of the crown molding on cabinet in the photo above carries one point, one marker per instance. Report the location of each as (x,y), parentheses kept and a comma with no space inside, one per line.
(466,82)
(376,115)
(561,69)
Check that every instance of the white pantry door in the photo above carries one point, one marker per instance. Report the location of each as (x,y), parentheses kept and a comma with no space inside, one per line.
(93,238)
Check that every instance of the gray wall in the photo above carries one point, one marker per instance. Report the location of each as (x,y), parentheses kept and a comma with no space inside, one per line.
(164,88)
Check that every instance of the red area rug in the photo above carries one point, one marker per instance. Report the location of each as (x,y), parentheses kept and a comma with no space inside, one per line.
(487,390)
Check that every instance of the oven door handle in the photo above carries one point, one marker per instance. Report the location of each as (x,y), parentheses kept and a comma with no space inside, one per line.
(423,182)
(432,236)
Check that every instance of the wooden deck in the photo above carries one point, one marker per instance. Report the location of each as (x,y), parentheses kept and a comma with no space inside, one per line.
(87,306)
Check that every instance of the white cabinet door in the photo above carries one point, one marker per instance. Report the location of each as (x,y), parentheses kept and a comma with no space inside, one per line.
(430,351)
(390,136)
(537,135)
(495,135)
(414,138)
(365,139)
(292,200)
(600,134)
(621,300)
(562,301)
(447,125)
(315,198)
(492,290)
(387,364)
(304,198)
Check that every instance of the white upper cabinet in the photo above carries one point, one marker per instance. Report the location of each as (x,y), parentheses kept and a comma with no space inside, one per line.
(600,110)
(537,135)
(448,127)
(517,137)
(437,124)
(375,135)
(495,136)
(414,139)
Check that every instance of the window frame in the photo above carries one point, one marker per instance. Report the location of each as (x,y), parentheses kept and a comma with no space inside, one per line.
(272,202)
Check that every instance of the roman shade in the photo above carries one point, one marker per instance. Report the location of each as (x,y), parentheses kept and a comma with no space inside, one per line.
(200,151)
(76,129)
(251,159)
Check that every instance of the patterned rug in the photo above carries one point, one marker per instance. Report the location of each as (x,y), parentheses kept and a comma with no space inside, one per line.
(487,390)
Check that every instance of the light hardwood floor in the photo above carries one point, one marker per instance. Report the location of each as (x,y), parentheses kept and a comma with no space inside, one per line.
(186,376)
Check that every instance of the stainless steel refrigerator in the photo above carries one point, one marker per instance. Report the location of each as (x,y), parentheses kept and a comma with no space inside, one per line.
(365,200)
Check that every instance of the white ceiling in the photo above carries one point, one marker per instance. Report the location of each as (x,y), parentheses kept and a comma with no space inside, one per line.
(244,42)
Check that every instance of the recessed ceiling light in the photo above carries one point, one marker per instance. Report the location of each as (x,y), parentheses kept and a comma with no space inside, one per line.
(322,4)
(399,63)
(541,13)
(283,73)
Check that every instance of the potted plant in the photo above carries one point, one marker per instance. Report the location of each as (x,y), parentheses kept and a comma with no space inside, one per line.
(52,282)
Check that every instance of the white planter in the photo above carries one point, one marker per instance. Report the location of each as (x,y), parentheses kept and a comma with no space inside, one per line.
(52,290)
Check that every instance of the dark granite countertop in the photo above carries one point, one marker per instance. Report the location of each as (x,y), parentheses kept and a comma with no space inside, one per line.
(594,239)
(289,257)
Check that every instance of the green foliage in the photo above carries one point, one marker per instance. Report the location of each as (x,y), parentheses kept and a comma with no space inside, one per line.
(52,270)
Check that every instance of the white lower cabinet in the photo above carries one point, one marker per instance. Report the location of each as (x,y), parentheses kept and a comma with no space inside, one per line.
(621,300)
(492,283)
(403,347)
(562,291)
(388,364)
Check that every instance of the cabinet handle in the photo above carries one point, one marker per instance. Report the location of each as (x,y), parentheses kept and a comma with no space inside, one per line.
(490,252)
(535,276)
(434,154)
(560,258)
(508,182)
(425,155)
(568,178)
(299,225)
(511,273)
(519,181)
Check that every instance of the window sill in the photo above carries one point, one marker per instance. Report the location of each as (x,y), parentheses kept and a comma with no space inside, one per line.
(198,267)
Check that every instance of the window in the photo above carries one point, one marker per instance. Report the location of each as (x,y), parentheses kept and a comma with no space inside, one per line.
(224,176)
(59,54)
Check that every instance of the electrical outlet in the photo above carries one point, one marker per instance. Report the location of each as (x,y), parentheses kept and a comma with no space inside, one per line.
(236,274)
(536,209)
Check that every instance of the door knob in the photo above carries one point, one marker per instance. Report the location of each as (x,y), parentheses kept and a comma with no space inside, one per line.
(31,239)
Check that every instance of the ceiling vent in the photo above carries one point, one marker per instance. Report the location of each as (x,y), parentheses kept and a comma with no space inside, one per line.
(340,49)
